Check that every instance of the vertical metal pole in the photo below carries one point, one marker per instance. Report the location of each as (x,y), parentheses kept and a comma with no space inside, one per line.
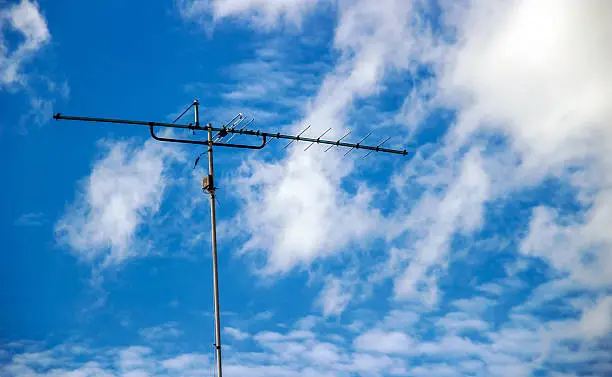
(213,226)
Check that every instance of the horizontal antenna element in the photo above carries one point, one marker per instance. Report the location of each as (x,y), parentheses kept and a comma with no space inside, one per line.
(264,135)
(357,144)
(367,154)
(296,137)
(318,139)
(338,142)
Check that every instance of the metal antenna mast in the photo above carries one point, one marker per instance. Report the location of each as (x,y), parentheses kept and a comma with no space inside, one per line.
(208,181)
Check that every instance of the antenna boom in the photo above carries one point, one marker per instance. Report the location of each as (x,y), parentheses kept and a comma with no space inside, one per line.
(267,135)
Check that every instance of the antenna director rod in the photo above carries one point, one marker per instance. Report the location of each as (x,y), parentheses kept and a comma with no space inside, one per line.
(235,131)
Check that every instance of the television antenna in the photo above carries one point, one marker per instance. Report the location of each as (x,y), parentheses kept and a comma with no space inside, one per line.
(231,127)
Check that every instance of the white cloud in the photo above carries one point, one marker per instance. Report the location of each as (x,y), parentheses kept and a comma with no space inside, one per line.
(31,219)
(373,365)
(123,192)
(266,13)
(137,373)
(23,35)
(583,249)
(552,98)
(475,305)
(457,322)
(301,347)
(536,89)
(597,320)
(272,78)
(236,333)
(400,319)
(270,336)
(187,361)
(43,359)
(535,73)
(494,289)
(393,342)
(452,346)
(325,354)
(133,357)
(296,212)
(307,323)
(335,296)
(434,221)
(436,370)
(519,347)
(41,111)
(270,87)
(262,316)
(25,18)
(161,332)
(549,63)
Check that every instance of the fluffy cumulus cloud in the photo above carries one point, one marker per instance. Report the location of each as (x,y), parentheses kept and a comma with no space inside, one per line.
(296,212)
(123,192)
(517,348)
(545,82)
(235,333)
(384,342)
(335,296)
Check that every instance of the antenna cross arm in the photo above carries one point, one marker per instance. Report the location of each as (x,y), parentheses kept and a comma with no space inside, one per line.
(263,135)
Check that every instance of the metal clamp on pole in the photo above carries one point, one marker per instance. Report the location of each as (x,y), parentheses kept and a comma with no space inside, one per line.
(207,183)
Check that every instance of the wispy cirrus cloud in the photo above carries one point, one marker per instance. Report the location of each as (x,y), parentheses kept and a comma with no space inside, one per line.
(272,85)
(268,14)
(162,332)
(273,77)
(300,217)
(31,219)
(335,295)
(26,18)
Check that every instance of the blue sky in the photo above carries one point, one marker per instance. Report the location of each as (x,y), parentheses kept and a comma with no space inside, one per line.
(485,252)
